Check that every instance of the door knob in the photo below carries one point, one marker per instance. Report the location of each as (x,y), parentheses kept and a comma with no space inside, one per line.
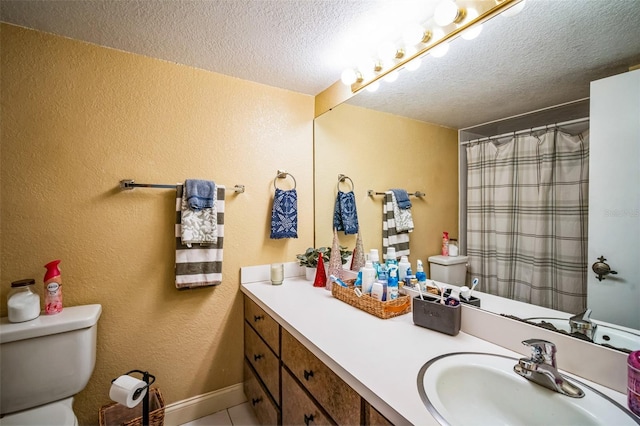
(601,268)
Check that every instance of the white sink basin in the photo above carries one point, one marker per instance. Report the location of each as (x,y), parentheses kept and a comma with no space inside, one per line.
(482,389)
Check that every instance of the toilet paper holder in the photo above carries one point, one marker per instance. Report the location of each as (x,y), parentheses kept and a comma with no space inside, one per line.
(145,400)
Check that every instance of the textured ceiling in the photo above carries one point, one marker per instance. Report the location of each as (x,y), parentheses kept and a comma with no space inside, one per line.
(543,56)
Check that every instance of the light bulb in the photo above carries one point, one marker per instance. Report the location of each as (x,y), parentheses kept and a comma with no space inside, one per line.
(446,12)
(440,50)
(349,76)
(366,66)
(387,51)
(473,32)
(412,35)
(413,64)
(514,10)
(391,77)
(373,86)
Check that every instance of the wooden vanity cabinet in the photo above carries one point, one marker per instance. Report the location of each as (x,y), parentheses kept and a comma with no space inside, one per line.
(286,384)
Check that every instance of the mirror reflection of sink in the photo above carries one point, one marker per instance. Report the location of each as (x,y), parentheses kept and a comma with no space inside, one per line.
(604,335)
(470,388)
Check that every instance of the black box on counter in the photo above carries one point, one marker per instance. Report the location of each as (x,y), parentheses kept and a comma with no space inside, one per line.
(473,301)
(430,313)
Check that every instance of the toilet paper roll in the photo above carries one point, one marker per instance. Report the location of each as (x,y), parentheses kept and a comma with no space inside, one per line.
(123,390)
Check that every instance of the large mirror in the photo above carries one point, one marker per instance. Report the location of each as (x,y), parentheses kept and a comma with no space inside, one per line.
(405,135)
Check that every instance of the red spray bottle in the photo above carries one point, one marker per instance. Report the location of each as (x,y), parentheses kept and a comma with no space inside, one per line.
(52,289)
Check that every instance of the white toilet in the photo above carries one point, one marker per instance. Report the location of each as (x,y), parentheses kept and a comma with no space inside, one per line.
(44,363)
(449,269)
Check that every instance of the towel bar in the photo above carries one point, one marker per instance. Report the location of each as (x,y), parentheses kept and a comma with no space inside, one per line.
(418,194)
(130,184)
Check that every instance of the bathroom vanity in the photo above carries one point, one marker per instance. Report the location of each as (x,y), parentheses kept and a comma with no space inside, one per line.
(310,358)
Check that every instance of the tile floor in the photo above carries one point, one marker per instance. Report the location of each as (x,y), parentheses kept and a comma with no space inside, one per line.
(240,415)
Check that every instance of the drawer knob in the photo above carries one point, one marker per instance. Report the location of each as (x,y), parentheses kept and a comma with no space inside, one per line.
(308,419)
(257,318)
(257,357)
(308,374)
(256,401)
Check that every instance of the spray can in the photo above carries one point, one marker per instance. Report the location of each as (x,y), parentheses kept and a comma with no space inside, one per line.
(52,289)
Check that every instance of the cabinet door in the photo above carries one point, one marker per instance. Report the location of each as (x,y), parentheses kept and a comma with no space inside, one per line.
(266,326)
(265,411)
(336,397)
(614,198)
(297,407)
(263,361)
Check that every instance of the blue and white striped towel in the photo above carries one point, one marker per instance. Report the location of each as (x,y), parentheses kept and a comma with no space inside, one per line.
(200,265)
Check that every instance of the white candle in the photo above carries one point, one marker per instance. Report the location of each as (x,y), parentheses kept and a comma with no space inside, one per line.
(277,273)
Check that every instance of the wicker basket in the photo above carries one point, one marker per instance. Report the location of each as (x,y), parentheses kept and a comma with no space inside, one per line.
(118,414)
(384,310)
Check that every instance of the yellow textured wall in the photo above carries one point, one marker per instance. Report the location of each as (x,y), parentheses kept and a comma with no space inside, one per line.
(77,118)
(380,151)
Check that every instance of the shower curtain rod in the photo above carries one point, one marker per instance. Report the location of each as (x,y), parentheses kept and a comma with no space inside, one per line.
(521,132)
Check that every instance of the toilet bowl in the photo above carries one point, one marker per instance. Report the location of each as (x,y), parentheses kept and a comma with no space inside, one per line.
(59,413)
(44,363)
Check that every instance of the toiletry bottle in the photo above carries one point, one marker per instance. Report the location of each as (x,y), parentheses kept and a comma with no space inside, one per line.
(445,244)
(453,247)
(23,304)
(392,283)
(382,279)
(391,257)
(368,277)
(403,266)
(375,260)
(52,289)
(421,276)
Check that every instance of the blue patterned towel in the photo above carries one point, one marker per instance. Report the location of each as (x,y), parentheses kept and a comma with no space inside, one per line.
(284,215)
(200,194)
(345,215)
(402,198)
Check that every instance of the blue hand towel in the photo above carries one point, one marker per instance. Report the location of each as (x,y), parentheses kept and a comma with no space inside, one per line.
(345,216)
(284,215)
(402,198)
(200,194)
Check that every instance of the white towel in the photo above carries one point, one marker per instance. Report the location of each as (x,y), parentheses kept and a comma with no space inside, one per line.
(198,226)
(201,264)
(403,217)
(390,235)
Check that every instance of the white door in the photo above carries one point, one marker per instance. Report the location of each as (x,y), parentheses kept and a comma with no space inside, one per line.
(614,198)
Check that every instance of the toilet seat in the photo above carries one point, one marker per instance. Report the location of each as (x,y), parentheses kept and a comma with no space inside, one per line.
(55,413)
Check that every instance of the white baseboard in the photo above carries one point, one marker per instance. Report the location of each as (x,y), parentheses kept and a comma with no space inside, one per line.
(202,405)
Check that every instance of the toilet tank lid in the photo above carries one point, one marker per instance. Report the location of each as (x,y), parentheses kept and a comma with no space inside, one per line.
(448,260)
(71,318)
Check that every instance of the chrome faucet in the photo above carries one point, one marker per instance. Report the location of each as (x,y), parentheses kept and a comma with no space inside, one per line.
(541,368)
(581,323)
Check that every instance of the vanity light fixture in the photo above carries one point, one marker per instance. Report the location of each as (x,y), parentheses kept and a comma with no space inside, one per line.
(418,40)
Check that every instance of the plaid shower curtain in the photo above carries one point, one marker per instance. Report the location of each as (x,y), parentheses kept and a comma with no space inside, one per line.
(527,211)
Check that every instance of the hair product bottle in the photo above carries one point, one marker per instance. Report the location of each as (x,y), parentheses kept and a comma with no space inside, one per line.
(52,289)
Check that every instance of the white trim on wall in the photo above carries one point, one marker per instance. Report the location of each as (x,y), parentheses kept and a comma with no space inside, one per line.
(199,406)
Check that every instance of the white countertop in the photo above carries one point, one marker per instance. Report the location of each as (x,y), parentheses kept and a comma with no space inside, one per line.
(379,359)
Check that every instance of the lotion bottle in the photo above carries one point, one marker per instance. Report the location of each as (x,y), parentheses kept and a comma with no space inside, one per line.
(368,277)
(421,276)
(403,266)
(52,289)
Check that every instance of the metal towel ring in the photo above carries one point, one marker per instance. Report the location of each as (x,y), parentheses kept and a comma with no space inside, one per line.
(342,178)
(282,175)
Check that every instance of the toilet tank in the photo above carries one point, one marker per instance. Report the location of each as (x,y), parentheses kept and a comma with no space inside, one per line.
(47,359)
(449,269)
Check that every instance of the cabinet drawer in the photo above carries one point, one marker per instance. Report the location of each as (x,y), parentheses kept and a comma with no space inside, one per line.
(297,407)
(334,395)
(263,324)
(262,406)
(263,361)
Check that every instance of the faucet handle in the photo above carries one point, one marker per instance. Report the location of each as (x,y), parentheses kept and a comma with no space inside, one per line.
(542,351)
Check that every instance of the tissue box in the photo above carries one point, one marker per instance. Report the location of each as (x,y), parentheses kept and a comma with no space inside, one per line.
(430,313)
